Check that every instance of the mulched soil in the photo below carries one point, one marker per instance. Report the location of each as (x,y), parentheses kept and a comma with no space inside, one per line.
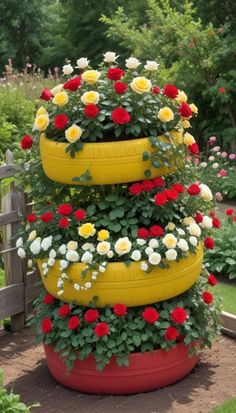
(25,370)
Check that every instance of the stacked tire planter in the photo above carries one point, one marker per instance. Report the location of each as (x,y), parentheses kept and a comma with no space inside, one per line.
(119,284)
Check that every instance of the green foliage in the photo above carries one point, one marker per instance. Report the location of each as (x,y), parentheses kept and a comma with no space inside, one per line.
(10,402)
(227,407)
(227,292)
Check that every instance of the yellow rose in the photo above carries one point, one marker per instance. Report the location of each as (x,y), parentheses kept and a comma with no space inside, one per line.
(170,226)
(170,241)
(103,234)
(60,99)
(141,85)
(188,221)
(185,123)
(73,133)
(165,114)
(188,139)
(41,111)
(72,245)
(103,247)
(91,76)
(123,246)
(57,89)
(87,230)
(193,108)
(181,97)
(89,98)
(41,122)
(32,235)
(177,136)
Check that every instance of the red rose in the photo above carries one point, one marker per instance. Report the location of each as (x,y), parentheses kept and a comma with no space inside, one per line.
(46,94)
(171,333)
(194,148)
(73,322)
(91,111)
(209,243)
(46,325)
(222,89)
(120,310)
(120,87)
(193,190)
(156,231)
(91,315)
(26,142)
(216,222)
(212,214)
(73,84)
(80,214)
(160,199)
(120,116)
(158,182)
(179,315)
(234,218)
(135,189)
(170,91)
(48,299)
(142,233)
(155,90)
(60,121)
(64,223)
(198,217)
(185,110)
(101,329)
(147,185)
(229,211)
(64,310)
(31,218)
(207,297)
(115,73)
(212,280)
(47,217)
(150,315)
(179,188)
(171,194)
(64,209)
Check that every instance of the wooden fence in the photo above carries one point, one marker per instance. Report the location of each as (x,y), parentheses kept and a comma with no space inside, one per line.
(19,290)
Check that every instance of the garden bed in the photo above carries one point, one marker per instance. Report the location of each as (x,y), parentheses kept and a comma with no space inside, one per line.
(210,383)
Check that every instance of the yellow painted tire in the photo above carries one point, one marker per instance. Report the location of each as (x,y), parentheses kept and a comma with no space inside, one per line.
(128,285)
(108,162)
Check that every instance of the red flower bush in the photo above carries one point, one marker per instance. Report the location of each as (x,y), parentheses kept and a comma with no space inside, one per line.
(171,333)
(179,188)
(147,185)
(150,315)
(80,214)
(193,190)
(156,231)
(229,211)
(101,329)
(48,299)
(46,94)
(212,280)
(26,142)
(207,297)
(60,121)
(46,217)
(135,189)
(91,111)
(198,217)
(91,315)
(156,90)
(170,91)
(64,223)
(179,315)
(73,84)
(216,222)
(209,243)
(185,110)
(64,209)
(222,90)
(73,322)
(31,218)
(160,199)
(115,73)
(194,148)
(120,310)
(46,325)
(64,310)
(158,182)
(171,194)
(120,87)
(143,233)
(120,116)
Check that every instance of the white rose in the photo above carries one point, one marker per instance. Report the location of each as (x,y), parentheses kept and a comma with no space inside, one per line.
(87,257)
(35,247)
(144,266)
(123,246)
(46,243)
(63,264)
(151,65)
(171,254)
(51,262)
(57,89)
(110,57)
(183,245)
(136,255)
(19,242)
(170,241)
(101,268)
(67,69)
(132,63)
(88,246)
(206,222)
(153,243)
(21,253)
(215,165)
(194,229)
(206,193)
(52,254)
(149,250)
(180,231)
(193,241)
(32,235)
(62,249)
(203,164)
(110,254)
(154,258)
(103,247)
(141,241)
(82,63)
(72,245)
(72,256)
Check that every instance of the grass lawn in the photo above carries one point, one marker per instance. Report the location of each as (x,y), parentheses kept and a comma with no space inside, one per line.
(227,407)
(228,294)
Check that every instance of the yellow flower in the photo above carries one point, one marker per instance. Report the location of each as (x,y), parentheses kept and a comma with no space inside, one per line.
(188,139)
(123,246)
(60,99)
(170,226)
(72,245)
(103,234)
(41,122)
(193,108)
(103,247)
(90,98)
(141,85)
(170,241)
(181,97)
(188,221)
(73,133)
(41,111)
(185,123)
(86,230)
(57,89)
(177,136)
(165,114)
(91,76)
(32,235)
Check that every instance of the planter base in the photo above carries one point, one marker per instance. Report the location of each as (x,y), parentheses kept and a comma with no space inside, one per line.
(146,371)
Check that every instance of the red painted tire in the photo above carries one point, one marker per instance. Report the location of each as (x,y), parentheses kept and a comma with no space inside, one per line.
(146,371)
